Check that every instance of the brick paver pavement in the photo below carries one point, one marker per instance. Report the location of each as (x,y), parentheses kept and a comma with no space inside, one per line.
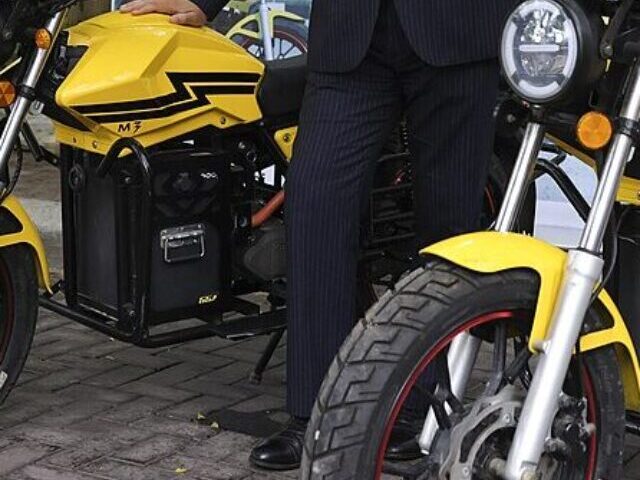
(88,407)
(91,407)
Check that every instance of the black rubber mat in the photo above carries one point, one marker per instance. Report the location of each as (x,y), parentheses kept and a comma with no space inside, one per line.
(256,424)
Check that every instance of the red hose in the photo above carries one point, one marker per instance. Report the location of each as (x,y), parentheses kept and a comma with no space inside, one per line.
(266,212)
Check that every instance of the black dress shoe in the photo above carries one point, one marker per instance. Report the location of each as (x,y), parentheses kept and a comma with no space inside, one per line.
(283,451)
(403,444)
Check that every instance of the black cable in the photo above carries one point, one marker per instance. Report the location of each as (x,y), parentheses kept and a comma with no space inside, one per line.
(614,231)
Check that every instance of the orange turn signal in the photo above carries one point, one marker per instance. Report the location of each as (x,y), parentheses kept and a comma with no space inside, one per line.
(7,93)
(43,39)
(594,130)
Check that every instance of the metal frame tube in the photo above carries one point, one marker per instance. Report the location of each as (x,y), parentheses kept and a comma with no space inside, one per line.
(21,107)
(267,35)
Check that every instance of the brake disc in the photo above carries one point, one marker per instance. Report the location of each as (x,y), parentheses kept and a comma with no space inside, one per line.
(487,417)
(485,434)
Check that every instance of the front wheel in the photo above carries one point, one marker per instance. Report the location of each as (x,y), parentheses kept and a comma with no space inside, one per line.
(18,312)
(394,368)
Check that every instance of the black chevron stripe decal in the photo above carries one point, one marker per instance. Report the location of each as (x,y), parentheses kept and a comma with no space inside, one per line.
(179,101)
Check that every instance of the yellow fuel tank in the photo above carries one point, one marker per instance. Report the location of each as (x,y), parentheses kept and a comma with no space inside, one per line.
(147,78)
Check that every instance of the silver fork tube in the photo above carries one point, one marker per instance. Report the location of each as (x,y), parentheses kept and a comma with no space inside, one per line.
(520,177)
(582,273)
(21,106)
(464,348)
(267,34)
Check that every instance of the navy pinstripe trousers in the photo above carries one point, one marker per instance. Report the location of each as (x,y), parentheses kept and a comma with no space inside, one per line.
(345,121)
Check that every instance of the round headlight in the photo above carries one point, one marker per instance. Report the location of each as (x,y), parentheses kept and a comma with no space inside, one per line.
(540,48)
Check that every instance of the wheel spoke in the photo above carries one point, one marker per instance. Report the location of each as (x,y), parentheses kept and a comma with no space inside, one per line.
(288,50)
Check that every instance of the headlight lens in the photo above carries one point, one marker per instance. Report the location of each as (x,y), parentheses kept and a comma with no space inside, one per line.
(540,50)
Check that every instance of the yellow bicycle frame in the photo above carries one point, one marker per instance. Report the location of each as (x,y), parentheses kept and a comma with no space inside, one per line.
(30,236)
(493,252)
(240,28)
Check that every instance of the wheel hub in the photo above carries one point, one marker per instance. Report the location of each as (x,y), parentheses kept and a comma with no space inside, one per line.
(477,445)
(478,439)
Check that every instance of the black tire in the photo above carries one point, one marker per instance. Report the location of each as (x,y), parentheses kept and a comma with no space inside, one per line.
(18,312)
(344,438)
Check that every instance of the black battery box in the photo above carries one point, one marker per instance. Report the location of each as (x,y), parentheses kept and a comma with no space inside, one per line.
(170,255)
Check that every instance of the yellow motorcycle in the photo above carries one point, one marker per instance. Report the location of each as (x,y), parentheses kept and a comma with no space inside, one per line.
(505,356)
(174,147)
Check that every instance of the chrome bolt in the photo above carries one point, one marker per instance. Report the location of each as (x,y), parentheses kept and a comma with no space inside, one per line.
(529,475)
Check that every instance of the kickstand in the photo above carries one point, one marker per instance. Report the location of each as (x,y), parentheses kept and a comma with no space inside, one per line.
(261,366)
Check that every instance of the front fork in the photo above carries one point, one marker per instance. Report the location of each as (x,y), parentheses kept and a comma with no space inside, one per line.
(582,273)
(26,95)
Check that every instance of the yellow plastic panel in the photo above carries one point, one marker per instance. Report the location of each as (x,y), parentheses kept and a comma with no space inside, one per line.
(492,252)
(28,235)
(285,139)
(147,78)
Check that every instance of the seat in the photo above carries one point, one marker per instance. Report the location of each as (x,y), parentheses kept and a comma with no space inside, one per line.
(282,87)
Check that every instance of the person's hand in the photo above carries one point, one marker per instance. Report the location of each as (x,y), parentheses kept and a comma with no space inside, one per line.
(183,12)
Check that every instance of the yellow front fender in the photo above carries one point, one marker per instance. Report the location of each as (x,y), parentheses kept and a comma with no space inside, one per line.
(492,252)
(28,235)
